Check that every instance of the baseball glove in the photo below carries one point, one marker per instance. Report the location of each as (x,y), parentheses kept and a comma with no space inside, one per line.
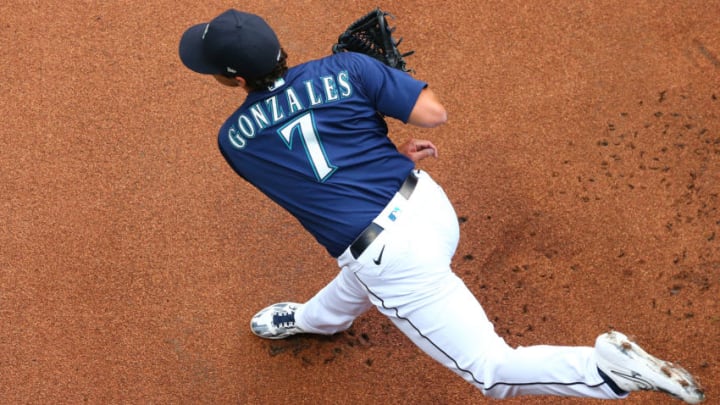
(371,35)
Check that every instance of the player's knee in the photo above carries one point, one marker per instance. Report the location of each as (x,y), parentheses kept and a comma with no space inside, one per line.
(498,392)
(495,361)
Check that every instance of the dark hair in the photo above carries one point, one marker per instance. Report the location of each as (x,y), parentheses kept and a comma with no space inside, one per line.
(269,79)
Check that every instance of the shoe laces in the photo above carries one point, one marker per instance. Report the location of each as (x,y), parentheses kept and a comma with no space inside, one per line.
(284,319)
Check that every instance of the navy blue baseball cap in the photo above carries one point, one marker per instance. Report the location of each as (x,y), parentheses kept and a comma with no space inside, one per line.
(232,44)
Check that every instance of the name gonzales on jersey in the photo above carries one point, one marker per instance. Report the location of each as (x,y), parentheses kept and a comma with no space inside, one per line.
(289,102)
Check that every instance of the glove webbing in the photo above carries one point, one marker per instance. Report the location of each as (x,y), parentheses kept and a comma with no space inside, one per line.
(371,36)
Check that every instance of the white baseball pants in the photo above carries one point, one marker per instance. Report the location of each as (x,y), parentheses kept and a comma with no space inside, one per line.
(416,289)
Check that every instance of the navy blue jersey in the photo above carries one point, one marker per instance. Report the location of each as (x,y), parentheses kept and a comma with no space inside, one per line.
(316,143)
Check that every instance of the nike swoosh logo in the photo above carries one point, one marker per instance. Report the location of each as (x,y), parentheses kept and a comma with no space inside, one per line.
(641,382)
(379,258)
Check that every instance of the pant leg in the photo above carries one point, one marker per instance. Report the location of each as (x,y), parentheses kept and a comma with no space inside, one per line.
(450,325)
(417,290)
(335,307)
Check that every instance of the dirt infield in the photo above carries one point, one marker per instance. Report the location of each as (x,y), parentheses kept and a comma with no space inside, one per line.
(582,155)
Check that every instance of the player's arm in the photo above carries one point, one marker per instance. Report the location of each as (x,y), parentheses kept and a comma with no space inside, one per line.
(428,112)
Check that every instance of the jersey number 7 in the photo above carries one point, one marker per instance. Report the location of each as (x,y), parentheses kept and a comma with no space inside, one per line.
(304,126)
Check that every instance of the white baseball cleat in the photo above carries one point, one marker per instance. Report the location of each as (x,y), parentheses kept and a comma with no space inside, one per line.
(276,321)
(633,369)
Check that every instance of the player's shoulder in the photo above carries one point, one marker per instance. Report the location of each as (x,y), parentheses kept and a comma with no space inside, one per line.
(347,59)
(356,58)
(357,65)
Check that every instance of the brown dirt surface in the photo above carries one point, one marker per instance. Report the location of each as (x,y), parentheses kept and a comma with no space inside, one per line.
(582,155)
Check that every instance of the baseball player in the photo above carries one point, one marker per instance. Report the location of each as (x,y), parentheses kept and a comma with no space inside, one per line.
(313,138)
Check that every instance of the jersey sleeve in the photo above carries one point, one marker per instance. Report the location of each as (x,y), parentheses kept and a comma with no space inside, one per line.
(392,91)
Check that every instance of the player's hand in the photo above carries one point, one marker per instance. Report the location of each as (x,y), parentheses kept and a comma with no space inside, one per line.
(418,149)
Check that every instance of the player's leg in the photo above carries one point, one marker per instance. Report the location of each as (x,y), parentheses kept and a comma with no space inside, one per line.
(417,290)
(335,307)
(331,310)
(447,322)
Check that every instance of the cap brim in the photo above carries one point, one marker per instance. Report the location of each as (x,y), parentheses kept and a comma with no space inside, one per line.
(192,54)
